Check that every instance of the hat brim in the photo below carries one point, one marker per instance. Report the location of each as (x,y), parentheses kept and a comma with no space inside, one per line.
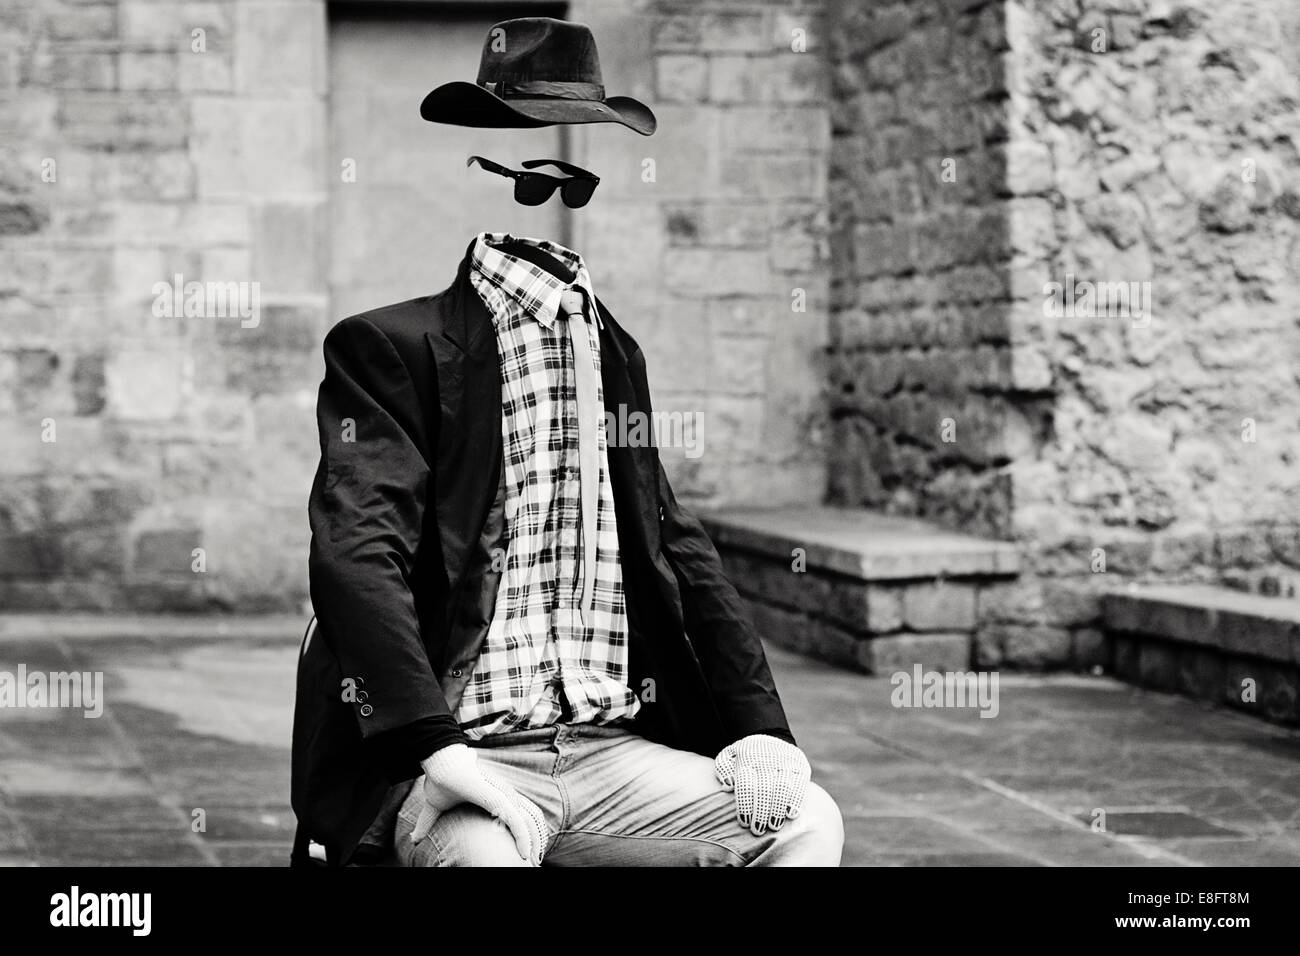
(467,104)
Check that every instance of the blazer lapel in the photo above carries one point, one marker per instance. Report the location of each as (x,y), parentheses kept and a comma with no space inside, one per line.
(469,430)
(633,466)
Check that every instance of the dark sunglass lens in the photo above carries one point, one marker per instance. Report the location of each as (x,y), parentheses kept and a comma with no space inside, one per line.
(577,192)
(533,190)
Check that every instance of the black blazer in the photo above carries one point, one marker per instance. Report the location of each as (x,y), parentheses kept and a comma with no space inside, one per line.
(405,505)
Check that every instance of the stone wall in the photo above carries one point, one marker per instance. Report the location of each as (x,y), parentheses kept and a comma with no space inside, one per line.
(128,157)
(927,405)
(1166,150)
(715,231)
(145,140)
(1122,141)
(890,184)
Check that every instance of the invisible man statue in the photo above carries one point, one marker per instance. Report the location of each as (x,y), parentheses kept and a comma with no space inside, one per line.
(524,649)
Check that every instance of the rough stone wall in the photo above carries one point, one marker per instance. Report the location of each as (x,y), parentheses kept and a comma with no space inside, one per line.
(1171,156)
(1124,141)
(127,156)
(927,406)
(709,258)
(1162,142)
(179,434)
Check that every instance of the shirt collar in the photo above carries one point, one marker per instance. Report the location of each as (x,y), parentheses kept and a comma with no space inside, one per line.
(534,289)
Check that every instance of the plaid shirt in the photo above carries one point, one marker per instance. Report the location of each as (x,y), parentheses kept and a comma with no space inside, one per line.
(541,660)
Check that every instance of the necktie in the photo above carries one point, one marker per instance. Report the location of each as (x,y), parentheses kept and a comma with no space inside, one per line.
(572,304)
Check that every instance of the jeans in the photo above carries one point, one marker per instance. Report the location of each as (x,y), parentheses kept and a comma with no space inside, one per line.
(612,798)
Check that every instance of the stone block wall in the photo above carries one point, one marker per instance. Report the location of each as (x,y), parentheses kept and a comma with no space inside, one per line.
(144,139)
(713,240)
(153,460)
(874,627)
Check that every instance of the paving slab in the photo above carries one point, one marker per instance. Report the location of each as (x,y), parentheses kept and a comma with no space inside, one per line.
(200,724)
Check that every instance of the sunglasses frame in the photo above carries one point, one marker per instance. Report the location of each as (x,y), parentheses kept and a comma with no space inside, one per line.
(524,178)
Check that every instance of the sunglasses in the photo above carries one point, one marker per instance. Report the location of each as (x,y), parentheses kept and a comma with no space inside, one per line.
(533,189)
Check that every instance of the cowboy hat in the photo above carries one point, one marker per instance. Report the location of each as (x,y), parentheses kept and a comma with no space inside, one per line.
(535,71)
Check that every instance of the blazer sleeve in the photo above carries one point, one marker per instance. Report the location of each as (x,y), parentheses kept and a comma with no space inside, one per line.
(367,513)
(728,649)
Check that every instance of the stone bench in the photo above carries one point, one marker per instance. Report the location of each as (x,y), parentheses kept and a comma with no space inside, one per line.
(1215,644)
(867,591)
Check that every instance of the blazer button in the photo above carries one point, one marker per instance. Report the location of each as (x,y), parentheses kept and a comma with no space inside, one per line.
(661,512)
(456,672)
(366,710)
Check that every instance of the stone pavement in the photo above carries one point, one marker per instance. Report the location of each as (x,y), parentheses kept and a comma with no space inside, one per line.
(199,721)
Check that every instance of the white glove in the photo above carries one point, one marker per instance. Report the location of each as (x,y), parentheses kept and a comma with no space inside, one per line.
(770,778)
(453,776)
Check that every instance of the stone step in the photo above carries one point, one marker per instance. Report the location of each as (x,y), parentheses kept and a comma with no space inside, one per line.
(862,544)
(1216,644)
(872,592)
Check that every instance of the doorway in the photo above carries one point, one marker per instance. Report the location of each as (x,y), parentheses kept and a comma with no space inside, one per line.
(403,204)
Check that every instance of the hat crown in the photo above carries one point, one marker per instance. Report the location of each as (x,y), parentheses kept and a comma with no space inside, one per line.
(538,50)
